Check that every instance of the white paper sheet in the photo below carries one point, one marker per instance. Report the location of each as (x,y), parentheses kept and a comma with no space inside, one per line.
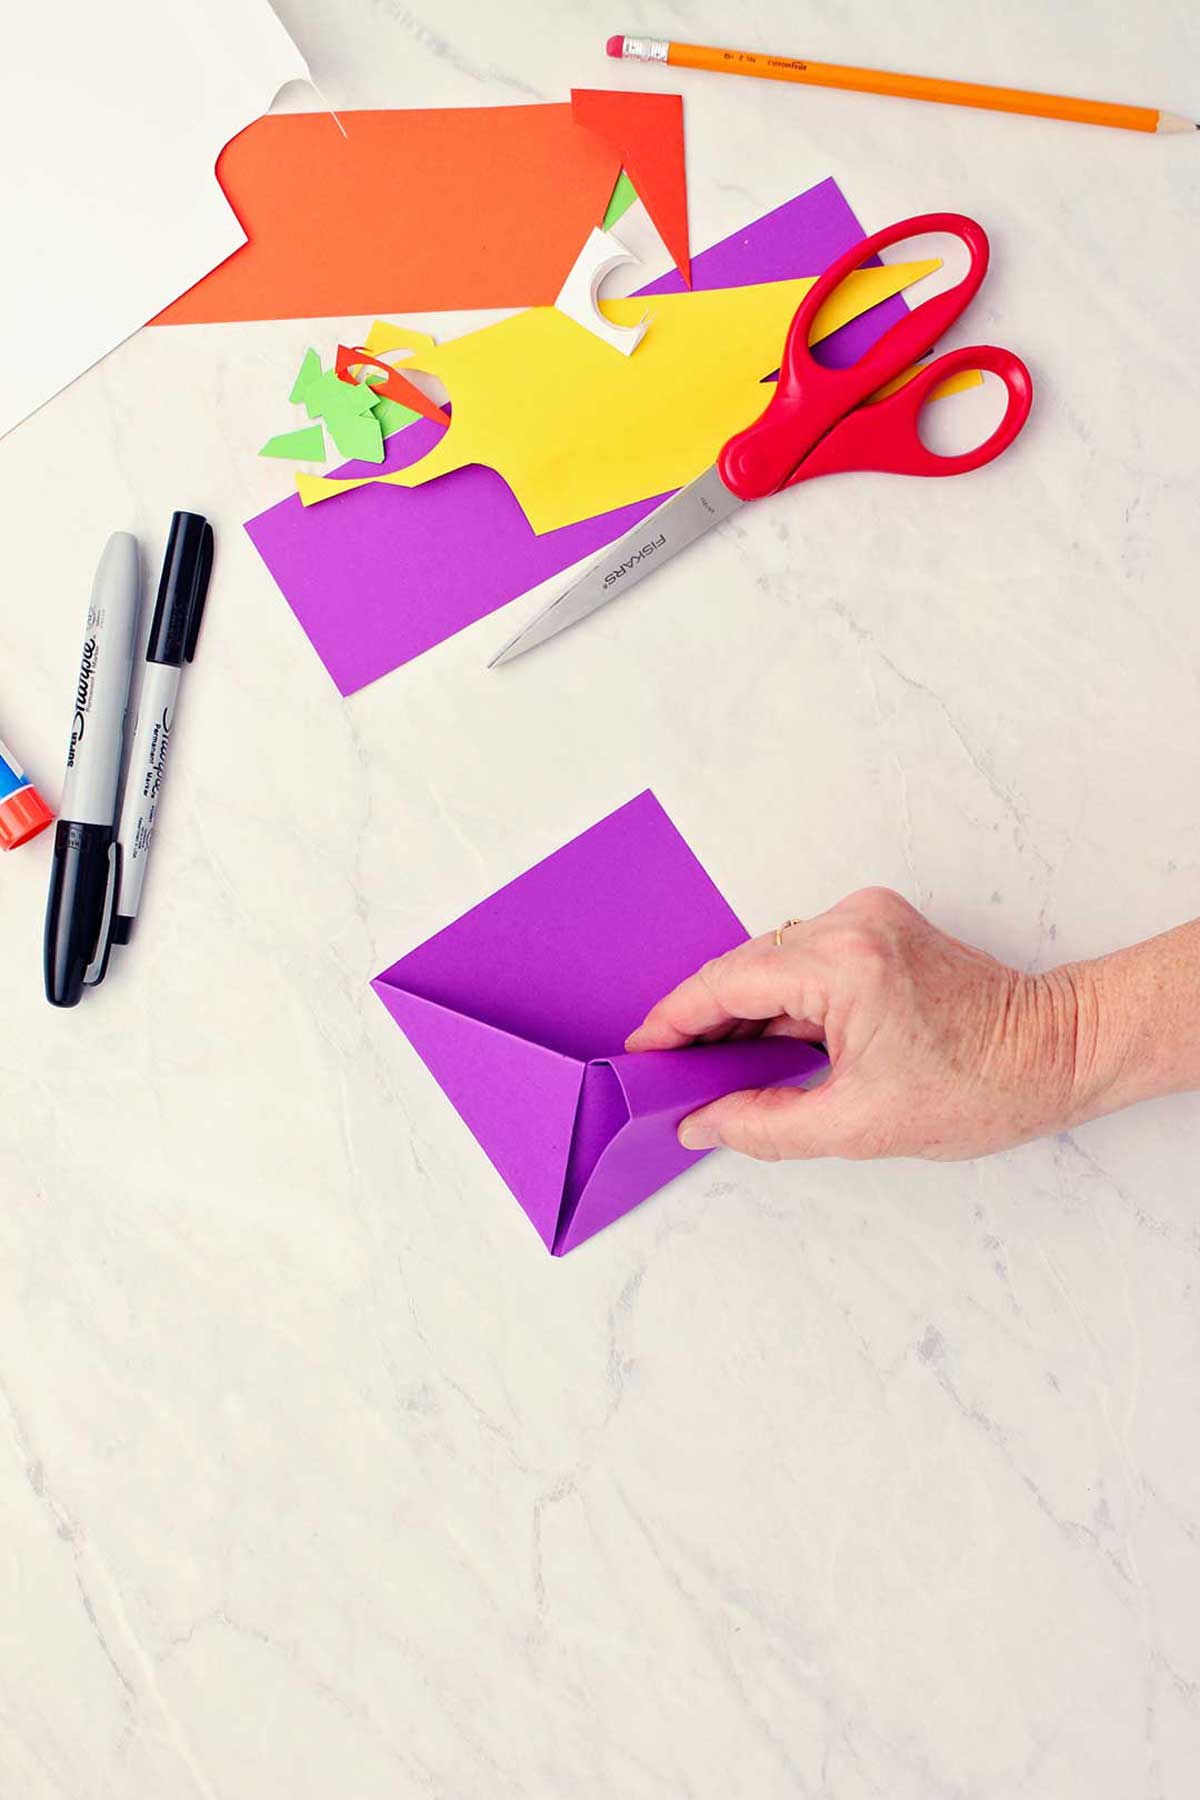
(112,117)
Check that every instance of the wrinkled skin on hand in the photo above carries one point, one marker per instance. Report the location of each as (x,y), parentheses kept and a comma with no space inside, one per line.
(936,1049)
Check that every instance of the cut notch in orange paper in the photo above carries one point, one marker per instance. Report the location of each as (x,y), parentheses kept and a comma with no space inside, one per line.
(428,210)
(646,130)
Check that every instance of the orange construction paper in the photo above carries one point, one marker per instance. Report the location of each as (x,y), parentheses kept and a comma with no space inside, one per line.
(648,131)
(421,211)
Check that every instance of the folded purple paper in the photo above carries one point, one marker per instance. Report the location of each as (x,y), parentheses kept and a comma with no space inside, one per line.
(520,1011)
(377,581)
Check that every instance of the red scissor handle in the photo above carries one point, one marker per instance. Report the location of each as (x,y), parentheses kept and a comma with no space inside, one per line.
(812,424)
(887,434)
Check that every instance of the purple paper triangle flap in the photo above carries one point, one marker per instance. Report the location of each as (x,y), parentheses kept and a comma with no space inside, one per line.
(603,1112)
(516,1097)
(672,1083)
(660,1088)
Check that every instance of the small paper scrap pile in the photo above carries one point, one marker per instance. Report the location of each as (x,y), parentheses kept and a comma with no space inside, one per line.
(559,441)
(359,413)
(567,421)
(576,427)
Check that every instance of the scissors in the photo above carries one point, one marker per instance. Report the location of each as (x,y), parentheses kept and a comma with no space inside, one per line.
(817,422)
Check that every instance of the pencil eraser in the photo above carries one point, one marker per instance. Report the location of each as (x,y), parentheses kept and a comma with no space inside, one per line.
(615,46)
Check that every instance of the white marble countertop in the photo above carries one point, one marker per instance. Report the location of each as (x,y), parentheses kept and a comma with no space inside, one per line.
(320,1480)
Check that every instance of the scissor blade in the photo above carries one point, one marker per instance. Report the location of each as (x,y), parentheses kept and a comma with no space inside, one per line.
(666,531)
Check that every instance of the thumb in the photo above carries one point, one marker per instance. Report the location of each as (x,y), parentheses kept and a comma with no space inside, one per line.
(773,1123)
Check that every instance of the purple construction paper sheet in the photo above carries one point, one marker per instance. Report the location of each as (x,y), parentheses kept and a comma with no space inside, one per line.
(381,575)
(520,1010)
(574,953)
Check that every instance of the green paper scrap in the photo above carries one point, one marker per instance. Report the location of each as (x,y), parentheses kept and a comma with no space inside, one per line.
(392,415)
(310,368)
(327,396)
(623,196)
(305,445)
(359,437)
(357,417)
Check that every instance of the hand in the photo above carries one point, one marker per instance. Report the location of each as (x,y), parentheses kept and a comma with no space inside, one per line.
(936,1049)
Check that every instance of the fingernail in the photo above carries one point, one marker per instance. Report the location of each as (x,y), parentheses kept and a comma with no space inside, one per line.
(694,1134)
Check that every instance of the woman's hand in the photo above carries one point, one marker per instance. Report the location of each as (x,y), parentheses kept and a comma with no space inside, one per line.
(936,1049)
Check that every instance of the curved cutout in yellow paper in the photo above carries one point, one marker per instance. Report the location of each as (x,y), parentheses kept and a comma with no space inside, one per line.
(575,430)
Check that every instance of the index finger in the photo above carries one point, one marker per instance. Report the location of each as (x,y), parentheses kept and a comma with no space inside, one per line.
(745,983)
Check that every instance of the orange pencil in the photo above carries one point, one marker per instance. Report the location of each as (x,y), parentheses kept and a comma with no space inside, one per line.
(905,87)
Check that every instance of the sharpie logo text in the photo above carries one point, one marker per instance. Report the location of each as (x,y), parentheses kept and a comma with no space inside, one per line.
(83,694)
(647,549)
(158,754)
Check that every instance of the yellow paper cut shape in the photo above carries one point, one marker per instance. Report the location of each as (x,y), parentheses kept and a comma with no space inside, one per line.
(953,384)
(575,430)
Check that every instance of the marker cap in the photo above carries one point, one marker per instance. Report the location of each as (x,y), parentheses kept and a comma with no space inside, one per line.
(182,590)
(22,816)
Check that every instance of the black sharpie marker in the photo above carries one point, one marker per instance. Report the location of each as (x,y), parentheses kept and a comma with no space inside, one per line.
(83,872)
(182,588)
